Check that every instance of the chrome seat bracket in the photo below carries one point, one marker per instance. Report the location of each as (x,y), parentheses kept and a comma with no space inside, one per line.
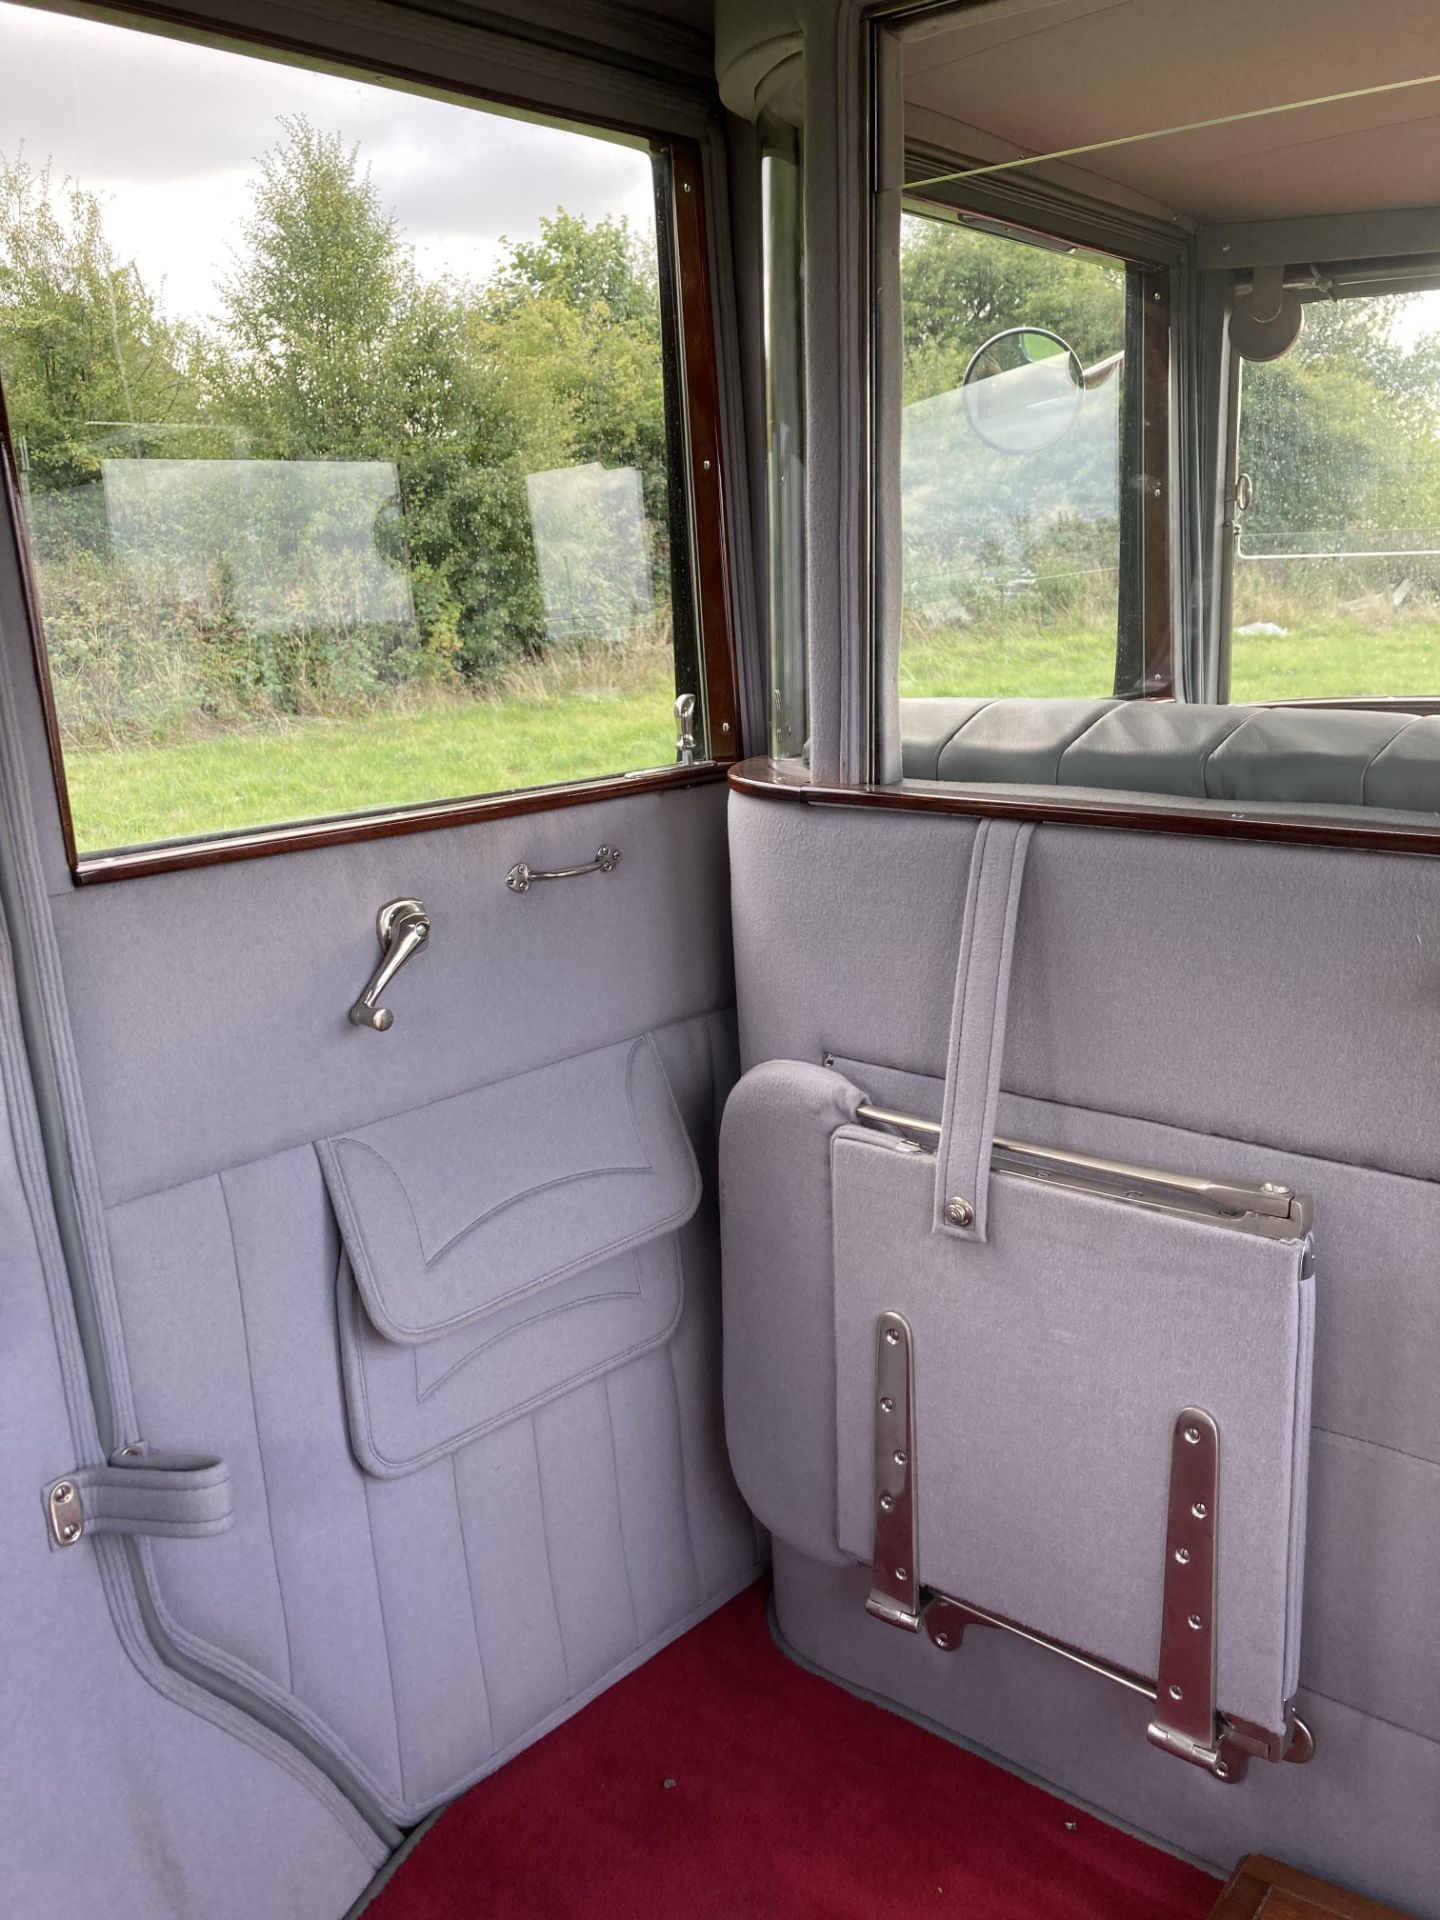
(895,1590)
(1186,1721)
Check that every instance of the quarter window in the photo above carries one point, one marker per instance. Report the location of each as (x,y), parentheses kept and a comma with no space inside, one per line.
(1031,536)
(349,432)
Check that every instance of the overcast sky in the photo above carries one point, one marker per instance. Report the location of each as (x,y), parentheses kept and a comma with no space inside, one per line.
(169,134)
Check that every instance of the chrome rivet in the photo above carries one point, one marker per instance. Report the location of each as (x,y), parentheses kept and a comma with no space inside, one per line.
(942,1639)
(1222,1772)
(706,465)
(887,1405)
(687,189)
(1177,1693)
(901,1456)
(1196,1622)
(887,1502)
(892,1336)
(69,1531)
(1273,1186)
(902,1573)
(1200,1509)
(132,1452)
(1192,1434)
(63,1494)
(1182,1556)
(724,726)
(959,1213)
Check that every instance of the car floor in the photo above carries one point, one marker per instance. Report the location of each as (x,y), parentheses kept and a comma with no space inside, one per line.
(721,1779)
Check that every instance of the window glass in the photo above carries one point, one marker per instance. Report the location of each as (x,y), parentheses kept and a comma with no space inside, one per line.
(1337,571)
(1011,464)
(340,417)
(783,214)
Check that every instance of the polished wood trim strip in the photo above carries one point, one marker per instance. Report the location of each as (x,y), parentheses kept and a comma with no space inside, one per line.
(1248,1892)
(760,779)
(709,537)
(259,843)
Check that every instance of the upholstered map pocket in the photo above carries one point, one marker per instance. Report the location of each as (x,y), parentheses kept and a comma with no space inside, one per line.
(502,1246)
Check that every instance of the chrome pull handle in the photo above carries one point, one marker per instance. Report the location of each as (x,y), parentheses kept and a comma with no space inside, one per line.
(521,878)
(404,928)
(685,730)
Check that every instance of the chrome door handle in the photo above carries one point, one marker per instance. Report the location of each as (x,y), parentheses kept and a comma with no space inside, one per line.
(404,928)
(521,878)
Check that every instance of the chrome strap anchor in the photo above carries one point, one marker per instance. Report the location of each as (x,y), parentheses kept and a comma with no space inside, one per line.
(895,1592)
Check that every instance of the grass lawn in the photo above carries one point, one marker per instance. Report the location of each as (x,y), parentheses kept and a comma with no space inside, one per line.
(303,768)
(1317,657)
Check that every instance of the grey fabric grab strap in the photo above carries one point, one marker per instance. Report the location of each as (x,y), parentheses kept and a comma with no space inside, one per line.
(174,1496)
(977,1028)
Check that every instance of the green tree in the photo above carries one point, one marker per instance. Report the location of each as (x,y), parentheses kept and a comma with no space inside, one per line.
(319,298)
(83,342)
(960,286)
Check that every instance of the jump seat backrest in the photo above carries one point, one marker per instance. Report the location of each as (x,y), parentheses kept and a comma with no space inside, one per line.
(1249,754)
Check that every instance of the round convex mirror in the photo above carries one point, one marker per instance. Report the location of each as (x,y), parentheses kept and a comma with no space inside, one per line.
(1023,390)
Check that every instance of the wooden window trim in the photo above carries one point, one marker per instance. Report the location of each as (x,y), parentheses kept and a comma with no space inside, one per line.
(762,780)
(703,481)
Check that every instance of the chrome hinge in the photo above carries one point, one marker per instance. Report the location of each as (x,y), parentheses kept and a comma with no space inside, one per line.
(895,1592)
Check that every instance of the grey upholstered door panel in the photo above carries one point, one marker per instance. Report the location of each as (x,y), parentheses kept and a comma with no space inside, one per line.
(124,1790)
(1264,1012)
(425,1598)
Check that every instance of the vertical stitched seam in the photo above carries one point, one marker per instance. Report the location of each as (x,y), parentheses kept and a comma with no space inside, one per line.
(389,1656)
(620,1510)
(255,1422)
(1365,771)
(470,1589)
(549,1562)
(684,1469)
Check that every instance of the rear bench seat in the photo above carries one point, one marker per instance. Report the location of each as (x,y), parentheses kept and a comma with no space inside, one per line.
(1296,755)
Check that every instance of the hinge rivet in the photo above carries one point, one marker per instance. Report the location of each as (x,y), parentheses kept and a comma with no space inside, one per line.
(63,1493)
(1192,1434)
(1182,1555)
(902,1573)
(69,1531)
(892,1337)
(1200,1509)
(942,1639)
(887,1405)
(1196,1622)
(887,1502)
(1177,1693)
(901,1456)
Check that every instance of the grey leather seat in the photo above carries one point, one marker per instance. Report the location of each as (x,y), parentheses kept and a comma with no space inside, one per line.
(1299,755)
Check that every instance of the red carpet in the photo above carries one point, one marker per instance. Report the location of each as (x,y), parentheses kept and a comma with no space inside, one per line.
(789,1799)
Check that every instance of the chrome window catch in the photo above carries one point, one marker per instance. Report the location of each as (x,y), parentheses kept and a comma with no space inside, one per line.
(685,730)
(404,928)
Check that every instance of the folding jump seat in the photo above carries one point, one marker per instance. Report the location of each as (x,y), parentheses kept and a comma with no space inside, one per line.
(1038,1390)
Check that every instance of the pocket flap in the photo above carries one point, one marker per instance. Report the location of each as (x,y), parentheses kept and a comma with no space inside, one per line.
(456,1209)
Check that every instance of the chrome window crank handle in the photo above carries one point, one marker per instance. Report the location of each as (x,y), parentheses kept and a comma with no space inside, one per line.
(404,928)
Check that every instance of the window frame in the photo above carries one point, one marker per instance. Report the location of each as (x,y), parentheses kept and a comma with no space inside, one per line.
(1155,572)
(700,428)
